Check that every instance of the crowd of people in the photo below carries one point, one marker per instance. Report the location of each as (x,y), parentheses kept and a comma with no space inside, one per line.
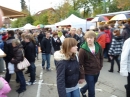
(78,55)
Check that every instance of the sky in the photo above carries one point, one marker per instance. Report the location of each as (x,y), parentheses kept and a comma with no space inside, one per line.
(35,5)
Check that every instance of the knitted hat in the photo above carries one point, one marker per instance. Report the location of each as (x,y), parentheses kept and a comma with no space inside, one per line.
(4,37)
(1,84)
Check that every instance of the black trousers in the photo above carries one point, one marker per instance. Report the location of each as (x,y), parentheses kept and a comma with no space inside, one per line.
(117,61)
(7,75)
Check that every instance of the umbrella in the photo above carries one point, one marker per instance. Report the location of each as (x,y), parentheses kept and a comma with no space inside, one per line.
(40,26)
(99,19)
(120,17)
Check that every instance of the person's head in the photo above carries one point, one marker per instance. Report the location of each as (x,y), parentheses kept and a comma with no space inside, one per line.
(112,25)
(72,31)
(48,34)
(79,31)
(69,47)
(15,42)
(55,34)
(10,33)
(96,29)
(116,32)
(28,38)
(90,37)
(106,26)
(23,36)
(101,28)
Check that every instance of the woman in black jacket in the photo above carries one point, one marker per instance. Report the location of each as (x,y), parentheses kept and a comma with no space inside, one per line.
(30,54)
(56,43)
(67,67)
(18,56)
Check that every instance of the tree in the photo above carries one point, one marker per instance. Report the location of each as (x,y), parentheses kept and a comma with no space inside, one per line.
(24,7)
(123,4)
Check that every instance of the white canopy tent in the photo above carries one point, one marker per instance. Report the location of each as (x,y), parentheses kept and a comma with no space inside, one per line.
(28,26)
(76,22)
(53,27)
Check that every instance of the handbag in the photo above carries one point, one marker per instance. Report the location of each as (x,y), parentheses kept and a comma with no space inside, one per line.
(2,54)
(23,64)
(11,68)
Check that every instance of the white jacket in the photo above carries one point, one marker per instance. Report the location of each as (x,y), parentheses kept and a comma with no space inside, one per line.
(125,58)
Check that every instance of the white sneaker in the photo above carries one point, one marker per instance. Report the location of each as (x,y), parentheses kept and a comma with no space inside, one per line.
(30,83)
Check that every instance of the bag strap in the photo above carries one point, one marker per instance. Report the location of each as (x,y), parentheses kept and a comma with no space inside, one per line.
(22,52)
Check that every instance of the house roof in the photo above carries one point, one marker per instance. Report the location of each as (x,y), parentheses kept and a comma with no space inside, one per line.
(10,13)
(42,11)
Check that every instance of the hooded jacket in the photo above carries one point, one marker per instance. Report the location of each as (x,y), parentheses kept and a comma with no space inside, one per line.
(67,72)
(18,56)
(90,64)
(116,45)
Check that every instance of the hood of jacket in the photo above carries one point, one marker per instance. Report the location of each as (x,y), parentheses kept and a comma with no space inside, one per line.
(85,47)
(18,47)
(118,37)
(58,55)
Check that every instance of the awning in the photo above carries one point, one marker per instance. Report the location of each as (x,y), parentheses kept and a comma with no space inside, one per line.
(10,13)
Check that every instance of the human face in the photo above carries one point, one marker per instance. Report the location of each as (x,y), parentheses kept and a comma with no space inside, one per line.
(90,40)
(47,35)
(55,36)
(73,31)
(26,40)
(73,49)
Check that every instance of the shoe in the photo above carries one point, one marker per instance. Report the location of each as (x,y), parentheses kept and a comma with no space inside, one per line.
(27,72)
(110,70)
(30,83)
(48,69)
(83,94)
(20,90)
(118,71)
(43,67)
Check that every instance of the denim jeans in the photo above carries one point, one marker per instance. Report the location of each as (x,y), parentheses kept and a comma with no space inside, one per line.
(7,75)
(90,86)
(46,57)
(74,93)
(21,79)
(32,69)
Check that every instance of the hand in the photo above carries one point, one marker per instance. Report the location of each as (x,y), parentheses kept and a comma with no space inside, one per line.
(58,41)
(81,81)
(12,58)
(111,57)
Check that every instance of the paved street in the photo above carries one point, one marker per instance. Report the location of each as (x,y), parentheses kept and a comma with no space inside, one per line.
(109,84)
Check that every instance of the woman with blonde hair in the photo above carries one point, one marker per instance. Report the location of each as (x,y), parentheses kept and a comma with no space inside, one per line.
(18,57)
(30,54)
(67,68)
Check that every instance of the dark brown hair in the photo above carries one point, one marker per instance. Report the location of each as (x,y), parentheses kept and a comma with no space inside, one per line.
(55,33)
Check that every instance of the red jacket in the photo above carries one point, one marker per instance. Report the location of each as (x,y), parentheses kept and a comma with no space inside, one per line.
(108,35)
(101,39)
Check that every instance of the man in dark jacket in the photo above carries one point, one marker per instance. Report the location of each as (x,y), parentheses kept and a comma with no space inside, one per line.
(8,49)
(46,50)
(126,31)
(40,37)
(72,34)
